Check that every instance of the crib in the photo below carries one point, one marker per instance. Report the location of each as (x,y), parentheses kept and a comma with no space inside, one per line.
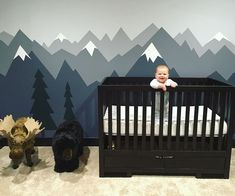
(193,137)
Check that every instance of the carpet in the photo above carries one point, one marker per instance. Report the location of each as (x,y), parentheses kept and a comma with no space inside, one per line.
(41,180)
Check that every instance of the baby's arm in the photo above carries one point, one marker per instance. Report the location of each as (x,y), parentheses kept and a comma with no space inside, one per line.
(156,85)
(172,83)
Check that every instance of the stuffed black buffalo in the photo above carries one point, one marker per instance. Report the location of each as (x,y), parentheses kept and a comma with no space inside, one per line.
(67,146)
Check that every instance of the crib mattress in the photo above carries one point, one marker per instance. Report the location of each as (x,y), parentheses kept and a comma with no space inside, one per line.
(165,120)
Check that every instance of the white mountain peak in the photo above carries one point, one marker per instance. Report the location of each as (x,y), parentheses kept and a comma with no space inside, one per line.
(90,47)
(219,36)
(61,37)
(151,52)
(21,53)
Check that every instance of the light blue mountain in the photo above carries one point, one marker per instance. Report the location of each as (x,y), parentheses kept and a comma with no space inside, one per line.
(214,45)
(192,41)
(72,47)
(142,38)
(6,37)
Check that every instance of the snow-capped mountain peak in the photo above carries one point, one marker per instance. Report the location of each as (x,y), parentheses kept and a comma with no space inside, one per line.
(61,37)
(21,53)
(151,52)
(90,47)
(219,36)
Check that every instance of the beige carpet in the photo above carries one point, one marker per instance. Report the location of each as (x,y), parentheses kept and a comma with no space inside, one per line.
(42,180)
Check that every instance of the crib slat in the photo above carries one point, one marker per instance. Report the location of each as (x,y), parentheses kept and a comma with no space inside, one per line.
(110,122)
(186,125)
(127,120)
(179,97)
(144,120)
(195,122)
(135,120)
(118,119)
(222,115)
(214,109)
(152,120)
(204,119)
(169,129)
(160,138)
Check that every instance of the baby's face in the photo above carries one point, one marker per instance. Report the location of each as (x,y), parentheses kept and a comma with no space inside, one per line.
(162,74)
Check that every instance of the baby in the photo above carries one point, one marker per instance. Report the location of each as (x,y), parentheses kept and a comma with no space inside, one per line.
(161,81)
(162,78)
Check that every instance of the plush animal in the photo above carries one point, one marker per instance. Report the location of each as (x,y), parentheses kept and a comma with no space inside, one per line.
(67,146)
(21,137)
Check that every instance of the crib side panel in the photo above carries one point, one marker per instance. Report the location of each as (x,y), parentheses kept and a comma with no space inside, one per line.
(190,121)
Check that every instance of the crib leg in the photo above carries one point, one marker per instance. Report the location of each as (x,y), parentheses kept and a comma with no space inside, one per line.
(117,174)
(216,176)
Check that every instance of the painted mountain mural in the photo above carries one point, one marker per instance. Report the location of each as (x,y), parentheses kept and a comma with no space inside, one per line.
(60,80)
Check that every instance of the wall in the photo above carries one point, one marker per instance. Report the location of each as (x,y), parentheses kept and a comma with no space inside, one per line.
(54,54)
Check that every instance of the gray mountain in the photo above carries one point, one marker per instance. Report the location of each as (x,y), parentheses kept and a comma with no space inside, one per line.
(78,89)
(7,54)
(215,75)
(114,74)
(231,79)
(55,61)
(72,47)
(121,44)
(6,37)
(173,73)
(172,53)
(57,45)
(20,39)
(206,63)
(46,58)
(122,64)
(144,67)
(105,47)
(93,67)
(4,58)
(214,45)
(145,35)
(193,43)
(224,62)
(88,113)
(59,57)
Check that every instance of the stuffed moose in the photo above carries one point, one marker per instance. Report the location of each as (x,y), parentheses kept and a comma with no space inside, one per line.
(21,135)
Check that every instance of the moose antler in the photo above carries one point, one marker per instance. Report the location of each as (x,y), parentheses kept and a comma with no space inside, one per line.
(6,125)
(33,127)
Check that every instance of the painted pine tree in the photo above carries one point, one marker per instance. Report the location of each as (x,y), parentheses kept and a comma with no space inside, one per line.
(68,115)
(41,109)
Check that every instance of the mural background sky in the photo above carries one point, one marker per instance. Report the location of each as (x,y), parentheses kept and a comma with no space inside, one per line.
(43,20)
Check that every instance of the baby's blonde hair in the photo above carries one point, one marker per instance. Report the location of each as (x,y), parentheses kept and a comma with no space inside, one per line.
(162,65)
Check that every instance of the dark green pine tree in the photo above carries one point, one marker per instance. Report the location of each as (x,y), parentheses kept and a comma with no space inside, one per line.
(68,114)
(41,109)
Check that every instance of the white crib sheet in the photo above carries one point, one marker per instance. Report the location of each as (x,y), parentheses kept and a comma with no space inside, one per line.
(165,124)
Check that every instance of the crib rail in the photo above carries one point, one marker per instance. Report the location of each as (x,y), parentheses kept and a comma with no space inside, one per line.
(216,96)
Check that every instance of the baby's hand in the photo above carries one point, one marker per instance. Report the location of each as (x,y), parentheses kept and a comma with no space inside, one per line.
(163,87)
(173,84)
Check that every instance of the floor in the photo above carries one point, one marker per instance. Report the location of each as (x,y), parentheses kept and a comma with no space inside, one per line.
(41,180)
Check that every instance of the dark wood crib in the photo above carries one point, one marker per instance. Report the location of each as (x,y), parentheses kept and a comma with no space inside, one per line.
(193,137)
